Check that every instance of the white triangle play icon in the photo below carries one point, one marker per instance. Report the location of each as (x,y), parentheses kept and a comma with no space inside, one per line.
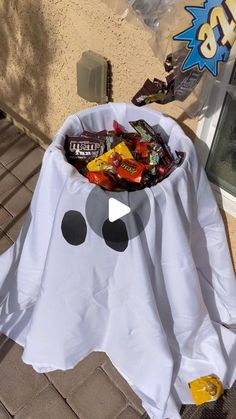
(116,209)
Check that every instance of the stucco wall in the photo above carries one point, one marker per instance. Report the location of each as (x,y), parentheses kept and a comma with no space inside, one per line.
(41,42)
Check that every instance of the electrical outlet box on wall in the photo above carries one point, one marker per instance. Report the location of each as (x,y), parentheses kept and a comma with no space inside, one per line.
(92,76)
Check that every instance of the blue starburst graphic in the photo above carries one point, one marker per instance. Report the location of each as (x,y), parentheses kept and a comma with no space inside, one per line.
(194,57)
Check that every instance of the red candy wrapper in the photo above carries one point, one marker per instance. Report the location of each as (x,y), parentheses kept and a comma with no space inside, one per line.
(117,128)
(101,178)
(164,171)
(142,149)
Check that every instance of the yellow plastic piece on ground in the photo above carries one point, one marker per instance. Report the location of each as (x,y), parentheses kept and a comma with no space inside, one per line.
(206,388)
(103,161)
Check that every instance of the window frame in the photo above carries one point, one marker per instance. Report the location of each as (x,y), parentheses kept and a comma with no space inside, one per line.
(206,131)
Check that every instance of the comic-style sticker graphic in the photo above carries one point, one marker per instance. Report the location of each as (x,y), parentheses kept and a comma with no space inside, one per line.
(211,35)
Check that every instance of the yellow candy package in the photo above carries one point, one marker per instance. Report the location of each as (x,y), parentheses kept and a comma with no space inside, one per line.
(205,388)
(105,160)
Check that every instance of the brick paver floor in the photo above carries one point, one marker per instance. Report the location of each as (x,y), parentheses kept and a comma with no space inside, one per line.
(93,389)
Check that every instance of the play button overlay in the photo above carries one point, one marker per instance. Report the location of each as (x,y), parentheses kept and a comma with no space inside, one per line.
(116,210)
(109,213)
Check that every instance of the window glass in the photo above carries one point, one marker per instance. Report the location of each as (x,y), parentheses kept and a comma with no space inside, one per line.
(221,164)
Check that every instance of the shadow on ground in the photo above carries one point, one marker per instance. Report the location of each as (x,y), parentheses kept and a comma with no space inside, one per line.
(27,50)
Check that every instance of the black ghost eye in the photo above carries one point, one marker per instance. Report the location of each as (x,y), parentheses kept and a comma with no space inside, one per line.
(115,235)
(74,228)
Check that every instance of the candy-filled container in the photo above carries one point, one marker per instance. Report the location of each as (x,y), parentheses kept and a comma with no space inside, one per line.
(142,148)
(141,273)
(118,160)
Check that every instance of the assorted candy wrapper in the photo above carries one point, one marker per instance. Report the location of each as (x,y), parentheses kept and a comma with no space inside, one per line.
(118,160)
(192,41)
(130,170)
(205,389)
(84,148)
(101,178)
(109,158)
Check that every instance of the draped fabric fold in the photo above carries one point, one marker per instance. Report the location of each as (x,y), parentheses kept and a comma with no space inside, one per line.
(164,309)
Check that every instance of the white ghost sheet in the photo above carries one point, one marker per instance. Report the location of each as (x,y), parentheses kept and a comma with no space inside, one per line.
(163,307)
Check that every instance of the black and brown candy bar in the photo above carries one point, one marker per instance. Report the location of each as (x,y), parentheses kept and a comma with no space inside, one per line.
(178,85)
(145,131)
(168,64)
(84,147)
(151,91)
